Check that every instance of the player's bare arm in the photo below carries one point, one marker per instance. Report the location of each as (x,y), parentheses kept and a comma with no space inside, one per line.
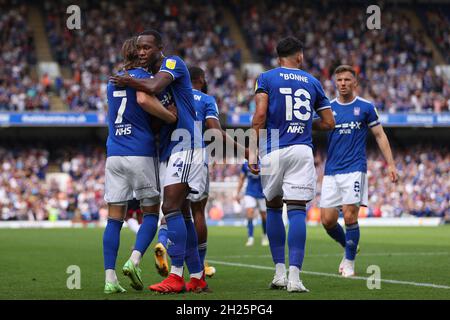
(214,124)
(240,185)
(383,144)
(153,106)
(150,86)
(325,122)
(258,123)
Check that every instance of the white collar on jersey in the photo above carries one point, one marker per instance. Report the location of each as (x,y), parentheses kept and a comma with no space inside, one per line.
(345,104)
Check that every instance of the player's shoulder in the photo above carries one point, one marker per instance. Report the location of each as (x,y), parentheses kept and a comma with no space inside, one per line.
(312,79)
(364,102)
(172,61)
(139,73)
(200,94)
(334,102)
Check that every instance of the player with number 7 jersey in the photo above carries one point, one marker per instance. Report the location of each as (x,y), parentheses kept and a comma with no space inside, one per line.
(131,169)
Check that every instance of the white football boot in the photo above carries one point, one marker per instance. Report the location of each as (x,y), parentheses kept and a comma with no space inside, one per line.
(250,242)
(265,241)
(279,282)
(296,286)
(348,268)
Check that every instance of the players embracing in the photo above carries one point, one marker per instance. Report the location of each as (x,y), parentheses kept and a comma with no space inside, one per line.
(345,183)
(184,173)
(131,170)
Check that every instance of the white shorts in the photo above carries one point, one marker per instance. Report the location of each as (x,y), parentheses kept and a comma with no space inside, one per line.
(187,167)
(252,202)
(205,194)
(341,189)
(128,177)
(289,172)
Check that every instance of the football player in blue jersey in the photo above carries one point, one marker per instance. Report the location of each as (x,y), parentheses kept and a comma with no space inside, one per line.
(186,169)
(253,199)
(345,180)
(285,100)
(207,112)
(130,168)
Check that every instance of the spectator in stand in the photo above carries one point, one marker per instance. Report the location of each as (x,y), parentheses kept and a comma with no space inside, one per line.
(393,63)
(18,91)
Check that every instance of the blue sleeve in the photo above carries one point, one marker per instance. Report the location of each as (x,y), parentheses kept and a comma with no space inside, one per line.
(322,101)
(372,116)
(174,66)
(211,109)
(244,169)
(261,85)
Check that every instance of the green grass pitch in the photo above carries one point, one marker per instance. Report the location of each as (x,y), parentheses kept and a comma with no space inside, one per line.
(415,262)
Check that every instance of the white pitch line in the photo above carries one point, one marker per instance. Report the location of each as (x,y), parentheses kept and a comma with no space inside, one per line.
(380,254)
(332,275)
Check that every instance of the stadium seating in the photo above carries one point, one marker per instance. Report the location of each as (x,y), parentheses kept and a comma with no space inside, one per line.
(19,90)
(94,54)
(27,192)
(395,66)
(437,19)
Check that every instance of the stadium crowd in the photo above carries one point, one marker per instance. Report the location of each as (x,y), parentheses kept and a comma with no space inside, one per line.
(29,192)
(437,20)
(19,91)
(394,64)
(94,53)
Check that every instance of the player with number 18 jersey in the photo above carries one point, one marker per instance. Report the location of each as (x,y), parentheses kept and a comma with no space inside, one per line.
(286,98)
(293,96)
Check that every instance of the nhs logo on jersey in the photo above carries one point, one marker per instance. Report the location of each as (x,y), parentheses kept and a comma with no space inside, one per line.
(123,130)
(296,128)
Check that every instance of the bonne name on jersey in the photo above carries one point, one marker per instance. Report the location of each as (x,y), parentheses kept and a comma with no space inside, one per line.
(293,95)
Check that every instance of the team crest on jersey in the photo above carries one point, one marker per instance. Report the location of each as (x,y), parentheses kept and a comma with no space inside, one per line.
(356,111)
(170,64)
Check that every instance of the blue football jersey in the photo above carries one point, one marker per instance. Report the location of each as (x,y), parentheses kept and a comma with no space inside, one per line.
(254,187)
(205,107)
(293,96)
(166,130)
(346,151)
(129,130)
(187,134)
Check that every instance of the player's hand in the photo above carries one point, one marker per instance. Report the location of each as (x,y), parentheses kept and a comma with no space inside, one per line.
(254,168)
(393,173)
(121,81)
(253,162)
(237,198)
(173,109)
